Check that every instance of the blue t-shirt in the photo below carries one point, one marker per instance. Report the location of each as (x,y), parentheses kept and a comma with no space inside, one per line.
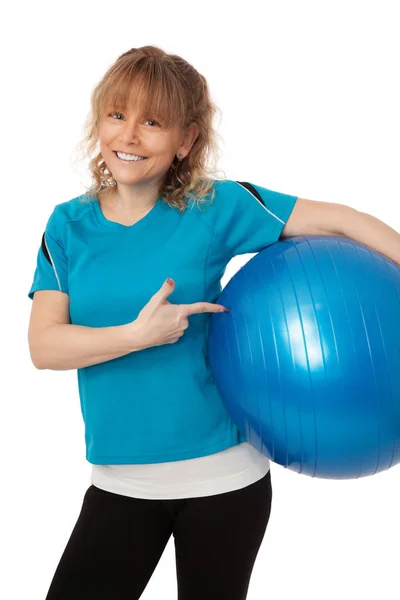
(159,404)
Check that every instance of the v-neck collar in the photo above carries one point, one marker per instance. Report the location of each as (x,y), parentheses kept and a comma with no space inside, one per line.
(139,225)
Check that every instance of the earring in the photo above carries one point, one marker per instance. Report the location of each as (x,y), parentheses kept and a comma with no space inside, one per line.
(180,159)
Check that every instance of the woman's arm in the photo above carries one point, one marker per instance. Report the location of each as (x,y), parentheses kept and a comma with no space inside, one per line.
(65,346)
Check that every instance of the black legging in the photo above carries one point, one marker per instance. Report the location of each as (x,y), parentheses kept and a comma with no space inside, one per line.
(118,541)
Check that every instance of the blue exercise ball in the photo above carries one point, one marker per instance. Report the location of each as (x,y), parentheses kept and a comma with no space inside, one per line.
(308,360)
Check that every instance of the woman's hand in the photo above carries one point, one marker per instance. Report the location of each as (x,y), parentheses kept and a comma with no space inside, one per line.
(160,322)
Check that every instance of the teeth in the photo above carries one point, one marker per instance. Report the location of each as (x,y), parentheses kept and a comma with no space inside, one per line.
(129,156)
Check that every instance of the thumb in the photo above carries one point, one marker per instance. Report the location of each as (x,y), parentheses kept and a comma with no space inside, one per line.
(165,290)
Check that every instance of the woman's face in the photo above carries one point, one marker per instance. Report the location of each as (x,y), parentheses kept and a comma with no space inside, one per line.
(124,132)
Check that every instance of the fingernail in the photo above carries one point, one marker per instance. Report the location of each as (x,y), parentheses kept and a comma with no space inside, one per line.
(226,310)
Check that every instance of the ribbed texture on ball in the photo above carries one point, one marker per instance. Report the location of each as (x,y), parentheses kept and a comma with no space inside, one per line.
(308,361)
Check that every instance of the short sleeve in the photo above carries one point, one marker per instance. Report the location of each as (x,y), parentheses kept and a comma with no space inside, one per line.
(52,264)
(249,217)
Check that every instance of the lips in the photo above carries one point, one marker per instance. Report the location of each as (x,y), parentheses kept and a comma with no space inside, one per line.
(115,152)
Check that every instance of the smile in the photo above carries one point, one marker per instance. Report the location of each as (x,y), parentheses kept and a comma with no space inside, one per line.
(130,160)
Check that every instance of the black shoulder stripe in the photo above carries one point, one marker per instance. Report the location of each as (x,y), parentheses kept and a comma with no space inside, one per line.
(251,189)
(45,251)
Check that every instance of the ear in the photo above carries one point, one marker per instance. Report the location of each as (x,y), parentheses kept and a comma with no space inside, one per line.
(189,139)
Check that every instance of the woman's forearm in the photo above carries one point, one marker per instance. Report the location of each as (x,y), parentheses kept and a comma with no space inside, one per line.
(61,347)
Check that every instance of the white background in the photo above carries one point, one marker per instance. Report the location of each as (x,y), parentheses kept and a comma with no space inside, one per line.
(309,94)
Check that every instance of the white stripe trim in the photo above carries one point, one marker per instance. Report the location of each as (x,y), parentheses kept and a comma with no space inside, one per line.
(260,203)
(52,262)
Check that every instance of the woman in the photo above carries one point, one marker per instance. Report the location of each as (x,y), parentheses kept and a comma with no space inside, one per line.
(119,272)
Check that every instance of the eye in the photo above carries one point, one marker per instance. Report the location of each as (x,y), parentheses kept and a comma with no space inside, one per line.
(152,121)
(115,113)
(118,113)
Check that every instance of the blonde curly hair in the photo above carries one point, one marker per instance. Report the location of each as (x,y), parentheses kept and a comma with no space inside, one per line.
(171,90)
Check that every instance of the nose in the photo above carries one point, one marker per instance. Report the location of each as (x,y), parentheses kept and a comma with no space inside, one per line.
(130,131)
